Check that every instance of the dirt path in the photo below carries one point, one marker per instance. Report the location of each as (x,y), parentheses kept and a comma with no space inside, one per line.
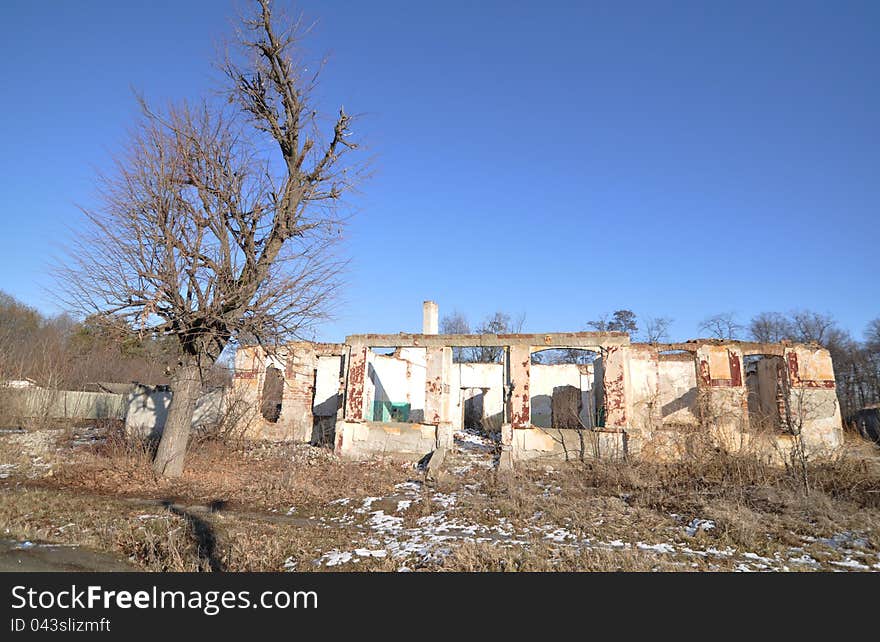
(40,557)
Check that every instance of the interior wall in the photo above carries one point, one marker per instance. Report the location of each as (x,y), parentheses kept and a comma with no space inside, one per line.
(762,381)
(545,378)
(396,385)
(678,390)
(471,379)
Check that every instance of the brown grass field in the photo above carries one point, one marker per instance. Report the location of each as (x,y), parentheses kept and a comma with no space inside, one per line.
(243,506)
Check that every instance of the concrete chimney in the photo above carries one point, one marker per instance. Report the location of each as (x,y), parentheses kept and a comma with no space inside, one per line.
(430,318)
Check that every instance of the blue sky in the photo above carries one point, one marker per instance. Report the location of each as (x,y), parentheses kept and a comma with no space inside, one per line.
(556,159)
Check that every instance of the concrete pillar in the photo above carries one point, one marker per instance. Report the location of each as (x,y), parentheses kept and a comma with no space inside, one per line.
(615,383)
(430,318)
(723,396)
(520,408)
(354,393)
(643,388)
(812,399)
(438,365)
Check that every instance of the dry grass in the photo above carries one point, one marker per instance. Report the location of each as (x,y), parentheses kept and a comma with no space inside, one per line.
(255,475)
(98,496)
(472,558)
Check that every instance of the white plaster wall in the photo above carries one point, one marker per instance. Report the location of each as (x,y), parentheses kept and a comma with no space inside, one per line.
(678,392)
(544,378)
(468,379)
(398,379)
(643,394)
(326,400)
(147,411)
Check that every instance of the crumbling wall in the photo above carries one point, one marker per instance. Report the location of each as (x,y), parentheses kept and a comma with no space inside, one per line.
(478,385)
(546,379)
(400,441)
(636,400)
(298,363)
(678,389)
(398,386)
(555,444)
(723,396)
(765,380)
(329,378)
(813,405)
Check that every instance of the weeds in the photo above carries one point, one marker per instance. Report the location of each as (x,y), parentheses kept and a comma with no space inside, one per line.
(267,507)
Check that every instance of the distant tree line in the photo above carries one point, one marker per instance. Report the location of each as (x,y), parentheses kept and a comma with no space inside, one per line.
(61,352)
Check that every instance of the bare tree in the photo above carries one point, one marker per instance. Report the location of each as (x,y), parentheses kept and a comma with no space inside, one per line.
(498,323)
(770,327)
(456,323)
(656,329)
(204,236)
(813,327)
(721,326)
(872,335)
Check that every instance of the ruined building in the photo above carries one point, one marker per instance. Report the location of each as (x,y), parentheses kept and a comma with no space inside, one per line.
(404,395)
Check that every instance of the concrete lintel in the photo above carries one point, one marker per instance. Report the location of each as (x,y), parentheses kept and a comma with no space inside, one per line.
(746,347)
(541,341)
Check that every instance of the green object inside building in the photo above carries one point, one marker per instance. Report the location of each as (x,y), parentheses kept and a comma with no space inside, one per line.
(390,411)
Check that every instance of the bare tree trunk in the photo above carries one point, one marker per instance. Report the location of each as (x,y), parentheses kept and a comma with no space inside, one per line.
(185,389)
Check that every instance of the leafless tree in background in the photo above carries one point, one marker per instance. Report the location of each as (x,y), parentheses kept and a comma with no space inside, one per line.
(199,235)
(497,323)
(872,335)
(813,327)
(769,327)
(721,326)
(656,329)
(456,323)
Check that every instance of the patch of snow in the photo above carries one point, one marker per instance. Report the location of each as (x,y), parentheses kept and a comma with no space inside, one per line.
(698,525)
(560,535)
(445,500)
(368,503)
(662,547)
(849,562)
(839,541)
(335,557)
(382,522)
(727,552)
(804,558)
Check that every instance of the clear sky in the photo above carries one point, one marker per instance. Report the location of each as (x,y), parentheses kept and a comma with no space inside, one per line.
(558,159)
